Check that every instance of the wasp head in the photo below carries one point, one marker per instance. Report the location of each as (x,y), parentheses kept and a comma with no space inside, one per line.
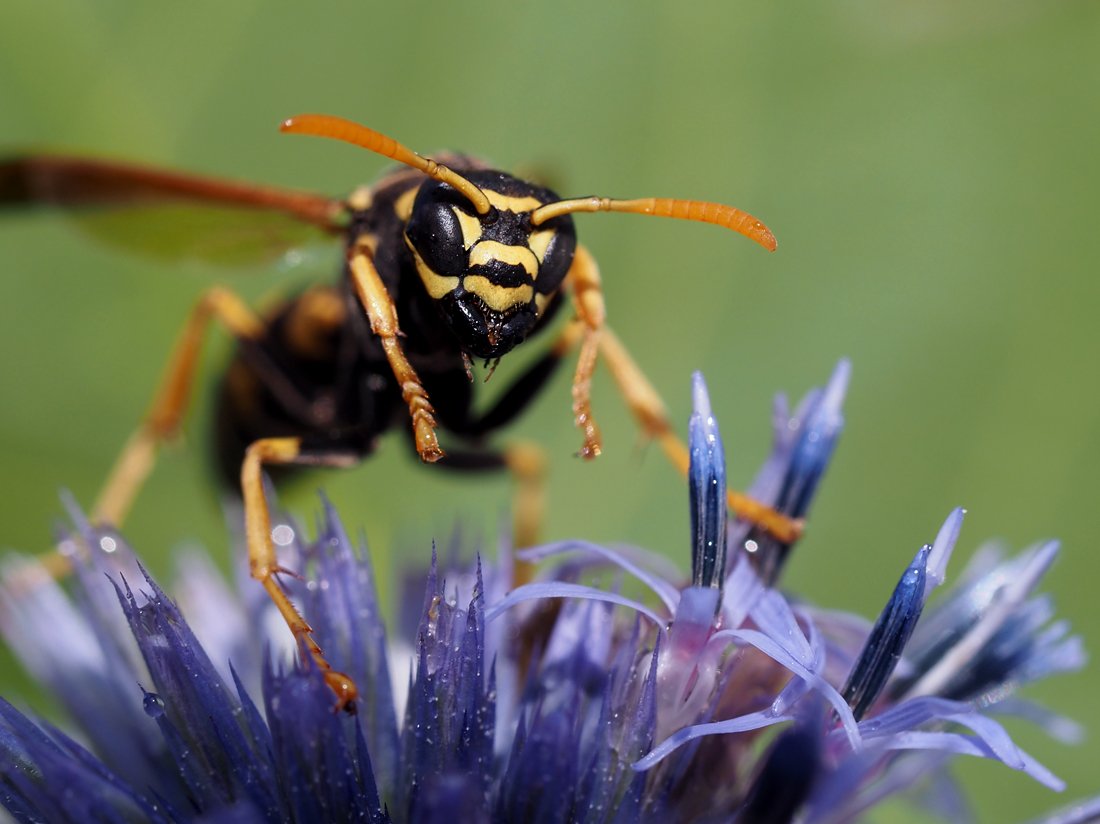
(491,274)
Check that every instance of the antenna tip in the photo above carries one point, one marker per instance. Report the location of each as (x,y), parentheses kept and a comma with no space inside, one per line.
(765,238)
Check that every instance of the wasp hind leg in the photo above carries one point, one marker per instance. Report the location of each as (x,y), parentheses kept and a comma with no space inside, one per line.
(162,421)
(163,418)
(526,462)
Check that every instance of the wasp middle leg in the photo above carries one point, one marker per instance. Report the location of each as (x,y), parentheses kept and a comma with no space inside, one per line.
(524,460)
(262,561)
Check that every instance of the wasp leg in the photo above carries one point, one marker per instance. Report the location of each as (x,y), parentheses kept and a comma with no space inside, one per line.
(523,390)
(162,421)
(649,410)
(526,461)
(262,561)
(640,396)
(584,283)
(383,322)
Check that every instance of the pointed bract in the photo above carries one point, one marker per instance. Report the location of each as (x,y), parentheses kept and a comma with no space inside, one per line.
(557,701)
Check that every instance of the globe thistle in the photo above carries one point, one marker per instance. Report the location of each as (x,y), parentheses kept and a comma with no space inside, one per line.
(714,697)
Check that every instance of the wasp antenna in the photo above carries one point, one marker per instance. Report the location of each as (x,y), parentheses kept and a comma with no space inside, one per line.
(698,210)
(337,128)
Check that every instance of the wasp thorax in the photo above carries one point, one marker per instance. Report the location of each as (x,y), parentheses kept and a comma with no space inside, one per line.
(491,274)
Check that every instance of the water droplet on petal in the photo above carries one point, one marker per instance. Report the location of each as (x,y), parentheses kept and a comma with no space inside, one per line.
(153,705)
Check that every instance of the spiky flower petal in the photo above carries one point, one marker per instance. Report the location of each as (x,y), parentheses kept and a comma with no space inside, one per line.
(554,701)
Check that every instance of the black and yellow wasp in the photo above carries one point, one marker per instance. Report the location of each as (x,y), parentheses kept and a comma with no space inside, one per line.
(447,261)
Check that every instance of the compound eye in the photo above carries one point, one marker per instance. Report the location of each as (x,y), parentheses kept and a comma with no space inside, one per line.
(435,232)
(557,258)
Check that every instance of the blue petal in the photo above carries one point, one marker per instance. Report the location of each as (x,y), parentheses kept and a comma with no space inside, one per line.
(449,720)
(897,728)
(63,644)
(888,638)
(324,769)
(216,759)
(707,487)
(1085,811)
(46,776)
(342,606)
(788,481)
(668,594)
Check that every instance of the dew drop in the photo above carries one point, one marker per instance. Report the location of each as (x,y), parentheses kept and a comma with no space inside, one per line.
(153,705)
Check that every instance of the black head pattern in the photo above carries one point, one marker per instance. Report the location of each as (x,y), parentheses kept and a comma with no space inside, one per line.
(493,250)
(492,274)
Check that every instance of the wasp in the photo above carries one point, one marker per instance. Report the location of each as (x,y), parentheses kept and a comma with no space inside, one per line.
(447,260)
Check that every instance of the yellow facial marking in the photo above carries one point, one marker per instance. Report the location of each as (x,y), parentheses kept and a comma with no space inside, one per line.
(540,241)
(500,298)
(471,227)
(512,204)
(540,303)
(437,285)
(403,206)
(489,250)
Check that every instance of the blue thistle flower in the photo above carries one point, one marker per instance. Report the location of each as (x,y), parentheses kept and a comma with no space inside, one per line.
(554,701)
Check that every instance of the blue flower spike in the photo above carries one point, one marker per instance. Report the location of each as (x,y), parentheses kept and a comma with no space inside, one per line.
(707,485)
(895,625)
(882,651)
(561,700)
(688,668)
(803,445)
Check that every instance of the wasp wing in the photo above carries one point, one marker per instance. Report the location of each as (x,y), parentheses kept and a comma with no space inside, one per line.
(167,214)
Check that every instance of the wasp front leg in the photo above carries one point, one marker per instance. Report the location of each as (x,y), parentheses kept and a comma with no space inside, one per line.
(595,337)
(383,322)
(650,412)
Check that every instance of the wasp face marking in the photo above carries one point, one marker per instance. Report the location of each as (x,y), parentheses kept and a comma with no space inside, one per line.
(491,274)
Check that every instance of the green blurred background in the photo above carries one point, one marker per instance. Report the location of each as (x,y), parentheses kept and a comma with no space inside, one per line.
(930,169)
